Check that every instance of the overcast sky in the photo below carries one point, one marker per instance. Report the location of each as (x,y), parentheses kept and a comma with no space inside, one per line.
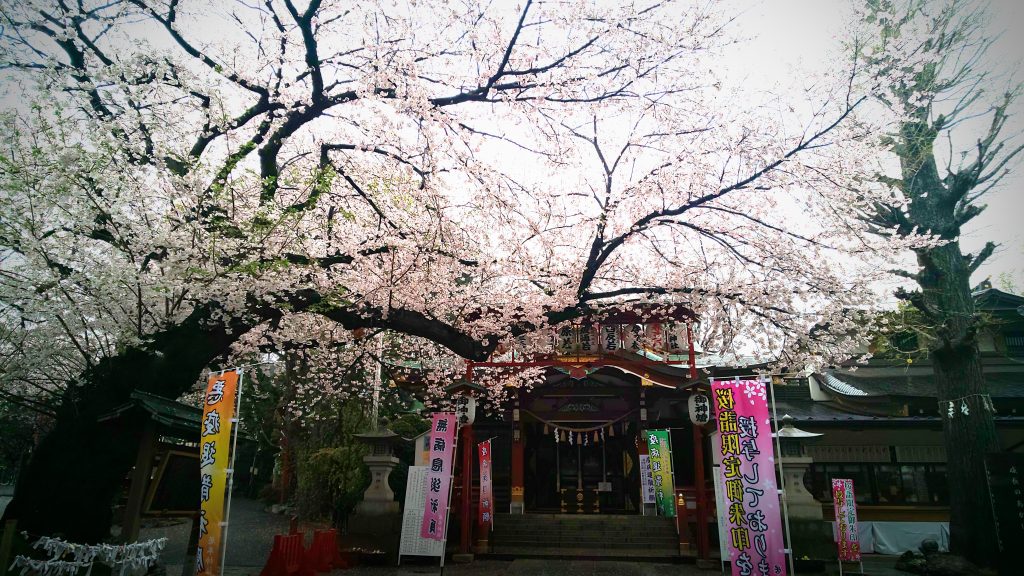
(786,37)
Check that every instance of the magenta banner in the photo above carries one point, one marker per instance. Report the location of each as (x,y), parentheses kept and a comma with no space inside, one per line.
(749,494)
(845,506)
(439,474)
(486,493)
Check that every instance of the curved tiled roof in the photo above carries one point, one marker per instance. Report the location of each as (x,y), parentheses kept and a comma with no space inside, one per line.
(1000,384)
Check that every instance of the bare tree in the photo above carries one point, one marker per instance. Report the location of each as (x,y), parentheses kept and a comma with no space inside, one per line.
(934,55)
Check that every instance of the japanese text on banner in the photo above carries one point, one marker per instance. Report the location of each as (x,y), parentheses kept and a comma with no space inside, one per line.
(750,500)
(845,506)
(486,492)
(661,471)
(439,474)
(214,454)
(646,480)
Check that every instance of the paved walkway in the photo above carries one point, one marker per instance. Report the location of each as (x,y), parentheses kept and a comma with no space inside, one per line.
(252,530)
(873,566)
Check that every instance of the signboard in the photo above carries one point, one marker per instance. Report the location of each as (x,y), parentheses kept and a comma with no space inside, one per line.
(720,508)
(415,498)
(439,475)
(214,455)
(1005,474)
(486,493)
(646,480)
(700,409)
(172,492)
(846,520)
(660,452)
(751,503)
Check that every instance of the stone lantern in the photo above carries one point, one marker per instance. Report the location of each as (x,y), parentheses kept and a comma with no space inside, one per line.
(379,499)
(794,460)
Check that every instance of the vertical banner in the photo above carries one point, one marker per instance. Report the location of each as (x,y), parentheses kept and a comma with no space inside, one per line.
(754,522)
(439,475)
(845,506)
(413,544)
(646,480)
(486,494)
(661,470)
(214,459)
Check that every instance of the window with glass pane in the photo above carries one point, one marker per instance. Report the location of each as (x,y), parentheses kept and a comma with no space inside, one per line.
(938,487)
(861,481)
(914,483)
(889,484)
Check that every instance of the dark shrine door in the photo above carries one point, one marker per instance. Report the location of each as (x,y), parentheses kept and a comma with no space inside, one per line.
(604,469)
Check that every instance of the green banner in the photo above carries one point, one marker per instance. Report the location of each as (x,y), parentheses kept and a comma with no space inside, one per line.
(660,452)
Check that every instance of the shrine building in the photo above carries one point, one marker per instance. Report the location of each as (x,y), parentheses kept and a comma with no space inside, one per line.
(566,471)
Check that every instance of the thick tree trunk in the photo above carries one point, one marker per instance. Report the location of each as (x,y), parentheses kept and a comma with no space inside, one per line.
(939,207)
(959,377)
(79,468)
(76,472)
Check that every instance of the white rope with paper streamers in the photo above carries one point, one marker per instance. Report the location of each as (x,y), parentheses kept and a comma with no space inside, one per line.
(129,556)
(956,406)
(50,567)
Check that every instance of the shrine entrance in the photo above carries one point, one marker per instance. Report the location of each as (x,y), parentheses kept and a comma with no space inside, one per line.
(580,453)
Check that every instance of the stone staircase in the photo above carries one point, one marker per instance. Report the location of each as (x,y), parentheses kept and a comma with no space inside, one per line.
(585,536)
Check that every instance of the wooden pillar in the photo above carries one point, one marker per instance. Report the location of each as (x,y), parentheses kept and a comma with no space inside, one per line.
(703,543)
(682,522)
(466,524)
(517,503)
(6,541)
(140,482)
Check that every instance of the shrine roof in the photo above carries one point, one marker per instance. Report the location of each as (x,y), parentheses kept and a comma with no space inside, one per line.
(174,417)
(168,412)
(828,413)
(1000,384)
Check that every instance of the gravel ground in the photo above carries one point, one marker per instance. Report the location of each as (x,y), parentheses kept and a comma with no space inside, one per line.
(250,535)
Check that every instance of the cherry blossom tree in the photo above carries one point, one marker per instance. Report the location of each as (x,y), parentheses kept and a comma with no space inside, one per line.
(187,182)
(934,55)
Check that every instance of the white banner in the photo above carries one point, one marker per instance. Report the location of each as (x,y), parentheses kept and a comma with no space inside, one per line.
(415,500)
(646,480)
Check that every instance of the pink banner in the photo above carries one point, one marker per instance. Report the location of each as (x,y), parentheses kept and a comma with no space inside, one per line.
(439,474)
(486,494)
(845,506)
(750,497)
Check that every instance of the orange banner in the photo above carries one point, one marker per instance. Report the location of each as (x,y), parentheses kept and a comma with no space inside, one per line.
(214,458)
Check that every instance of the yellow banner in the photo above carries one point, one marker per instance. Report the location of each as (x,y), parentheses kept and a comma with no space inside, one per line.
(214,458)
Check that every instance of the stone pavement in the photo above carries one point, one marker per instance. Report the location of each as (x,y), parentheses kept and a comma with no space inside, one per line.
(252,530)
(873,566)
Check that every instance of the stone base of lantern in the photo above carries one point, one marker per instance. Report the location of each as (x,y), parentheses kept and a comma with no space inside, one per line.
(379,499)
(800,502)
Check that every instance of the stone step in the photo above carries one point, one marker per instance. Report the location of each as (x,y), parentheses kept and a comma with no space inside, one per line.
(545,534)
(585,536)
(651,554)
(667,544)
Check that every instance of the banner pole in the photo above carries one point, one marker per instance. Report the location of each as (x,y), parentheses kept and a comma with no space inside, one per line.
(782,480)
(448,509)
(236,420)
(672,475)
